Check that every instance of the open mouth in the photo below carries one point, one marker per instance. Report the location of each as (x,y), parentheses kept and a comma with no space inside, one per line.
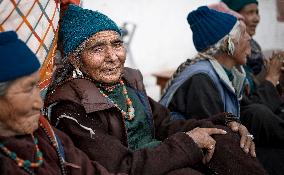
(110,71)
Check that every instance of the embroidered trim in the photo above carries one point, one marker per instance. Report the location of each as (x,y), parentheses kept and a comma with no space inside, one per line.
(92,132)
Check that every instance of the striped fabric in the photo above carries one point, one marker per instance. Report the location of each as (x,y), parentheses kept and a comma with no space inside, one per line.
(36,23)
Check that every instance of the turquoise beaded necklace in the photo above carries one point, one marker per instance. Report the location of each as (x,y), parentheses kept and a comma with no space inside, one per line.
(25,164)
(129,115)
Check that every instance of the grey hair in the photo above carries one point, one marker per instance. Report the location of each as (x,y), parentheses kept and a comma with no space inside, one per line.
(3,87)
(224,45)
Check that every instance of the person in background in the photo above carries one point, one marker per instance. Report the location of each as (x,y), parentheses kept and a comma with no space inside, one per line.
(104,108)
(28,143)
(262,107)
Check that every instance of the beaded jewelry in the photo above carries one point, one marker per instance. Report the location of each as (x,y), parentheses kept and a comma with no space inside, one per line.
(25,164)
(51,137)
(130,114)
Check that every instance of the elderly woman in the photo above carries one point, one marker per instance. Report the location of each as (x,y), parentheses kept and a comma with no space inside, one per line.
(262,107)
(104,108)
(213,82)
(28,144)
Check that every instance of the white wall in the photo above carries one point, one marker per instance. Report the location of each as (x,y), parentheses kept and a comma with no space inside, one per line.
(163,38)
(269,33)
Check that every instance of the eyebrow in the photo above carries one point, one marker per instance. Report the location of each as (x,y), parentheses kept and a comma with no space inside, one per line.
(100,43)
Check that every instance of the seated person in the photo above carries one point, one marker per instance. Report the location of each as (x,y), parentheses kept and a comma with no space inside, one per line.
(262,107)
(206,85)
(104,108)
(261,102)
(28,144)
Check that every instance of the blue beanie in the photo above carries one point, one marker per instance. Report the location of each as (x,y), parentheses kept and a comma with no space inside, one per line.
(17,60)
(79,24)
(209,26)
(237,5)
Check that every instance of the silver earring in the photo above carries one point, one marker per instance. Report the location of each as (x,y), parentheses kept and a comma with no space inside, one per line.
(231,46)
(77,73)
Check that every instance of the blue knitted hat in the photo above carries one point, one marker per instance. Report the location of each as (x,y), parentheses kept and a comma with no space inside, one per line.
(17,60)
(237,5)
(209,26)
(79,24)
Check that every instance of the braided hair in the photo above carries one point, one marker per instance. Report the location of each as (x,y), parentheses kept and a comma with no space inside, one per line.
(225,45)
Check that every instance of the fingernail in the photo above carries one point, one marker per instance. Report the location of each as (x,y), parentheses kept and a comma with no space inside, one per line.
(225,132)
(246,150)
(211,147)
(242,145)
(254,155)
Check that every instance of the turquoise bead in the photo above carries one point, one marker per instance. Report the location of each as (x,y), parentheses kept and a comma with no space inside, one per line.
(39,154)
(27,163)
(13,155)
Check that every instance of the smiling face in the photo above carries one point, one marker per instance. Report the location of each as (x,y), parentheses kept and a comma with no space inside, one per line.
(103,57)
(251,17)
(21,104)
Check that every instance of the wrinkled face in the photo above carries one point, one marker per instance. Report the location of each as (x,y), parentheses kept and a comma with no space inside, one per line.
(20,106)
(250,13)
(103,57)
(242,47)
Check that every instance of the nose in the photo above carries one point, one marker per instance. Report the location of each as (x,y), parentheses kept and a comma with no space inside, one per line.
(38,103)
(256,18)
(111,54)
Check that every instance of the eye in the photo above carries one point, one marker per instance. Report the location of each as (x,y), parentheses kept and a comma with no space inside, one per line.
(97,49)
(118,44)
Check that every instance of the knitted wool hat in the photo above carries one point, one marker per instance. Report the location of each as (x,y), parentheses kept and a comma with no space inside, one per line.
(209,26)
(17,60)
(237,5)
(79,24)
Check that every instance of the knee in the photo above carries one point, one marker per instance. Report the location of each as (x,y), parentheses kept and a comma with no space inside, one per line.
(257,112)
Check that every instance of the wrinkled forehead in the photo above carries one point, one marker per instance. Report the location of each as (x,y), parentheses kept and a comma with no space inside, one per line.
(25,82)
(104,36)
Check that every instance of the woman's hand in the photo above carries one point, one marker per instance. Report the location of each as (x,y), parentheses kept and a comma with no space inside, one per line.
(201,136)
(274,67)
(246,142)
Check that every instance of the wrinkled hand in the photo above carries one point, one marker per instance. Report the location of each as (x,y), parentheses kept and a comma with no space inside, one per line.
(246,142)
(274,67)
(201,136)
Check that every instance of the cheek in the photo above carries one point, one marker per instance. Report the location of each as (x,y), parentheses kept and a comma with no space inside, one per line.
(5,111)
(91,60)
(122,56)
(23,106)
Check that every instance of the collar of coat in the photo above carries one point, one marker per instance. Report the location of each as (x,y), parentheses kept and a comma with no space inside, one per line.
(86,94)
(236,85)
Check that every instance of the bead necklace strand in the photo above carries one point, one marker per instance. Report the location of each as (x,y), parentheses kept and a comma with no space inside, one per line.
(25,164)
(130,114)
(53,143)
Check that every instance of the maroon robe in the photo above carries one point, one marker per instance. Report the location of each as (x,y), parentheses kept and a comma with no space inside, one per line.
(25,148)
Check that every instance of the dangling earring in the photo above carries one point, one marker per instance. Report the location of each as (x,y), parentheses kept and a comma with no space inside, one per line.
(231,46)
(77,73)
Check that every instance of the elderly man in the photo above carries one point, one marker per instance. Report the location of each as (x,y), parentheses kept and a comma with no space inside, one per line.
(104,108)
(28,144)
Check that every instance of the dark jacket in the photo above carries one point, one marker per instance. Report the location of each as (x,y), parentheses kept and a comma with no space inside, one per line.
(98,128)
(24,147)
(203,89)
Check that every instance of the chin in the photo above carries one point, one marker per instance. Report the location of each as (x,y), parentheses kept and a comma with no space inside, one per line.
(252,32)
(111,78)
